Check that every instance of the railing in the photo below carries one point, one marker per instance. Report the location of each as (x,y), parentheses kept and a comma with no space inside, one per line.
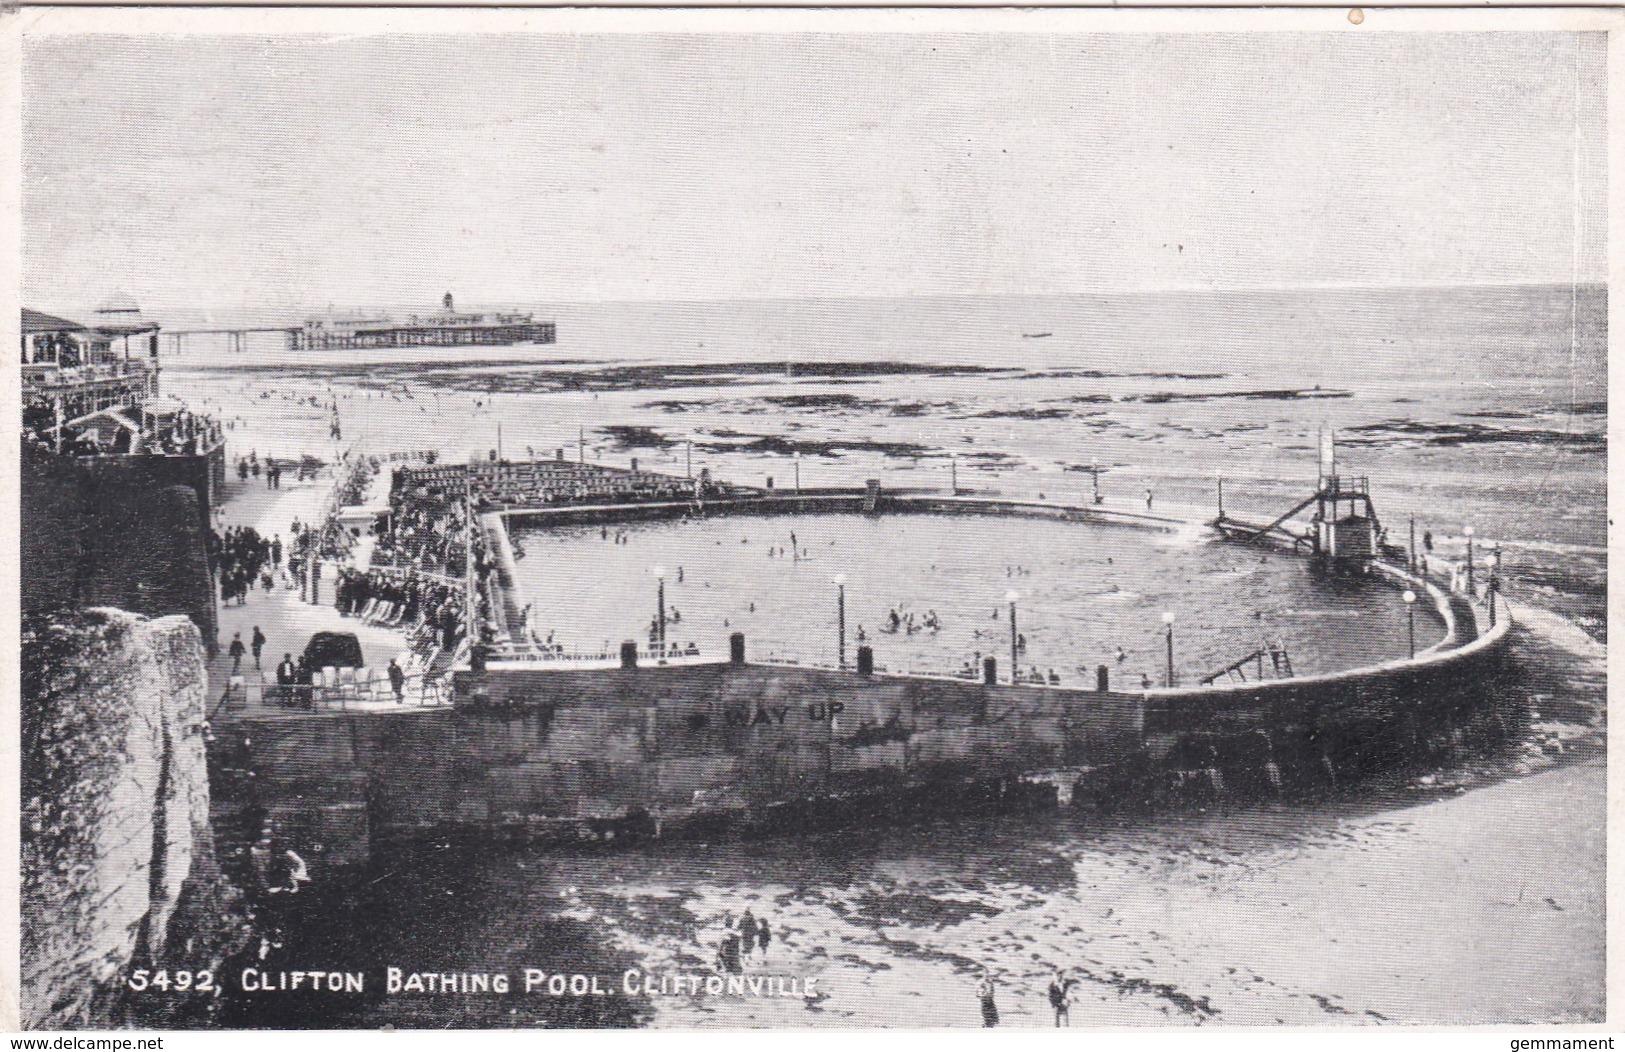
(49,374)
(963,675)
(1347,486)
(418,689)
(556,656)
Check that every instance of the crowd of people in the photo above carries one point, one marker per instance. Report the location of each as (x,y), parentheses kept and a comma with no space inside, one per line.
(424,550)
(244,559)
(427,531)
(431,609)
(179,433)
(539,483)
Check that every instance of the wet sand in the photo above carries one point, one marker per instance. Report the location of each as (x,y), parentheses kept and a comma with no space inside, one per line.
(1446,908)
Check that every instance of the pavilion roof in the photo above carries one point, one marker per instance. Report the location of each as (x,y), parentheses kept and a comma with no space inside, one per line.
(39,321)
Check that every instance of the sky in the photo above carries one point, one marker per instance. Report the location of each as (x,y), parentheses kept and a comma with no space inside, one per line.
(234,173)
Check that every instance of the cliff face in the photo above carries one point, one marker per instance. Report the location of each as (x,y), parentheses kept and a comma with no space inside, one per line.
(115,803)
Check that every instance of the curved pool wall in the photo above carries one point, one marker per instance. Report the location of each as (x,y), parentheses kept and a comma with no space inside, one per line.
(589,750)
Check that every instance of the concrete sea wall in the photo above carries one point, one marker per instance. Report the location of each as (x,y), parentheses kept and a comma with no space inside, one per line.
(543,746)
(674,742)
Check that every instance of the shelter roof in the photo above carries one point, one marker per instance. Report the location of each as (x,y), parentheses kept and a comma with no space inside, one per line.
(38,321)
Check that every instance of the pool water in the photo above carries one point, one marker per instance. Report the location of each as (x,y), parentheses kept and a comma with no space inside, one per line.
(1082,594)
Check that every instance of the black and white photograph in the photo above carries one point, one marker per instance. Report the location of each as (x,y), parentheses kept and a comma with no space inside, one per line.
(811,520)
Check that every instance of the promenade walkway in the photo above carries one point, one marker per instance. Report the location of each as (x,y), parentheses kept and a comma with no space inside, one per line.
(288,622)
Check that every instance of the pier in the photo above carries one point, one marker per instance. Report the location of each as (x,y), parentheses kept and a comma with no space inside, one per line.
(236,339)
(447,327)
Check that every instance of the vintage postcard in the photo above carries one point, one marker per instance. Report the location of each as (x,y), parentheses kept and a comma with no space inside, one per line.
(811,519)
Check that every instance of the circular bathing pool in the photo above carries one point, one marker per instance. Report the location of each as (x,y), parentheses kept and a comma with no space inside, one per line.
(1086,594)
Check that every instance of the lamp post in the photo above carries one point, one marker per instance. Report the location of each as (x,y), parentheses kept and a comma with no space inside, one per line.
(1168,623)
(1011,596)
(798,472)
(953,469)
(1469,532)
(1412,553)
(1220,477)
(1410,617)
(689,463)
(840,618)
(1094,472)
(660,608)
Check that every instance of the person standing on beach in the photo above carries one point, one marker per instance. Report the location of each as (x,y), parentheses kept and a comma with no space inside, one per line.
(1060,998)
(257,644)
(236,651)
(728,955)
(984,993)
(1147,500)
(397,681)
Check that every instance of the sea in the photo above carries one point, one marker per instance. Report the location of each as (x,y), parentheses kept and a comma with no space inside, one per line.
(1419,897)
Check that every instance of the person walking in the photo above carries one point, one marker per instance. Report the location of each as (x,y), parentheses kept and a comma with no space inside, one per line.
(257,644)
(990,1009)
(1060,998)
(236,651)
(397,681)
(764,934)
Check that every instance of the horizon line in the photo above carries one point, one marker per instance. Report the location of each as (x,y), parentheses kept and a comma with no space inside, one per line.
(433,304)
